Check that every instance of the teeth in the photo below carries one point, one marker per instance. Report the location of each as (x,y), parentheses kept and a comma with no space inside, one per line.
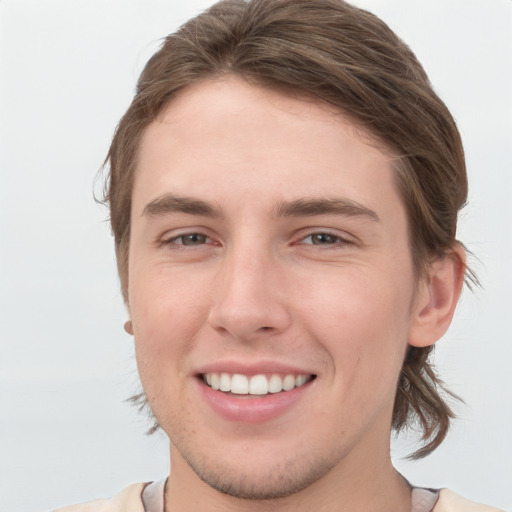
(300,380)
(215,380)
(288,383)
(256,385)
(239,384)
(225,382)
(275,384)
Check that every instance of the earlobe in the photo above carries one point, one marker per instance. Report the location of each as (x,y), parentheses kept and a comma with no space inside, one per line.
(437,298)
(128,327)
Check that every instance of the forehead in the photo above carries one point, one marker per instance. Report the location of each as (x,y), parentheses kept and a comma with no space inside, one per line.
(219,136)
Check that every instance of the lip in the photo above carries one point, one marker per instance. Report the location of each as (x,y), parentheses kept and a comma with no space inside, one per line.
(252,368)
(252,409)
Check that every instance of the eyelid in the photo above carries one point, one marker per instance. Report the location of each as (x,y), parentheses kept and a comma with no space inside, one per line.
(170,237)
(175,238)
(336,239)
(343,236)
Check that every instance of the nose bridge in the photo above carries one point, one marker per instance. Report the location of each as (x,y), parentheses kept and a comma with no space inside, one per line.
(247,298)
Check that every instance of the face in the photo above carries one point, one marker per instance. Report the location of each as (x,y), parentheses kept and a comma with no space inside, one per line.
(271,288)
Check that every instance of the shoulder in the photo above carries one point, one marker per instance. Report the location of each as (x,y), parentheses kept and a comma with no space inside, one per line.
(128,500)
(450,502)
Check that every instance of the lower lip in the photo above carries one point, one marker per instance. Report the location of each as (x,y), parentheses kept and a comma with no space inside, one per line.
(245,409)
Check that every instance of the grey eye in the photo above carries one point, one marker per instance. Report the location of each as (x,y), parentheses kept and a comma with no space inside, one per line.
(192,239)
(323,239)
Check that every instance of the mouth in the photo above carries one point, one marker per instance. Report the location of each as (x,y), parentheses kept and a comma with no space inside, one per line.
(256,385)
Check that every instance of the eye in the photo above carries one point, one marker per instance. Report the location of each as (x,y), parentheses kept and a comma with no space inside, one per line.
(189,239)
(323,239)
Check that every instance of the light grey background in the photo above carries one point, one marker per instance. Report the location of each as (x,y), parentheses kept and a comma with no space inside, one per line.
(67,73)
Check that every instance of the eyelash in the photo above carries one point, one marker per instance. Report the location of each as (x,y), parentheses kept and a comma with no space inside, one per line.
(335,240)
(172,241)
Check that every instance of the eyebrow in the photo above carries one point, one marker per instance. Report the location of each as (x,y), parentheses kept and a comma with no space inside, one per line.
(328,206)
(304,207)
(170,203)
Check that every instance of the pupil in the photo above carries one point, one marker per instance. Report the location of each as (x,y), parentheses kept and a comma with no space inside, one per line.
(193,239)
(323,238)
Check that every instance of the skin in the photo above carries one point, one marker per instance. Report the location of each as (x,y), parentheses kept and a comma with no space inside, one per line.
(332,293)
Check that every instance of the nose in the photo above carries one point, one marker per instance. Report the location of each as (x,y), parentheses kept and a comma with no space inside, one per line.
(249,296)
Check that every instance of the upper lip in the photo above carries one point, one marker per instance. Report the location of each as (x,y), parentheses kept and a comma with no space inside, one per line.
(252,368)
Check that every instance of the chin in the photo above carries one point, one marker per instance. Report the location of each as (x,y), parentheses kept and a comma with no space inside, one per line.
(261,481)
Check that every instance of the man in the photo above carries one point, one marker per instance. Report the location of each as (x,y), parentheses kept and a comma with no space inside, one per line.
(284,191)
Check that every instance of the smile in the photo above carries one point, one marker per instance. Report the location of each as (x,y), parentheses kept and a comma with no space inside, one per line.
(260,384)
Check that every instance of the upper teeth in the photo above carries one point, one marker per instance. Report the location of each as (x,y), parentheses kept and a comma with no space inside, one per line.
(255,385)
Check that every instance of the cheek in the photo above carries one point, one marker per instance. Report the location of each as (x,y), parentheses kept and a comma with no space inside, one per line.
(362,319)
(166,315)
(166,321)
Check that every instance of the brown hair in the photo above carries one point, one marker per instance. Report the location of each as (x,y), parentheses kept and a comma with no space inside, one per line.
(349,58)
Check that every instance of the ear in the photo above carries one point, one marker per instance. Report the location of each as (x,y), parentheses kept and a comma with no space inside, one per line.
(128,327)
(438,294)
